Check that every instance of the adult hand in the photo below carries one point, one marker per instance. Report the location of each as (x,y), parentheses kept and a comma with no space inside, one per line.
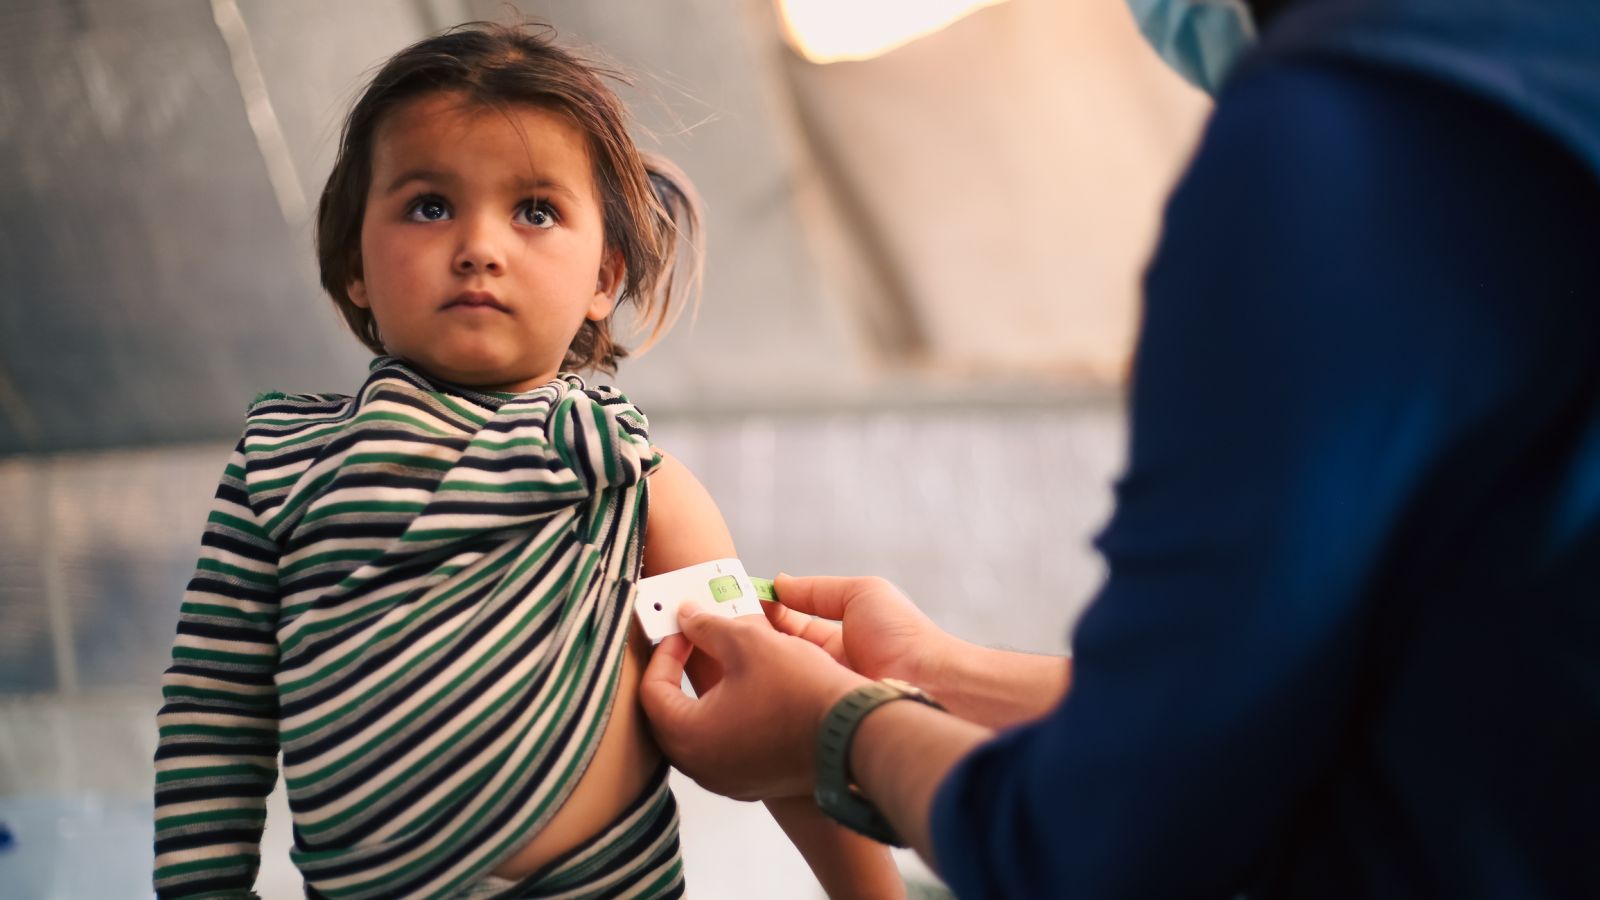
(875,629)
(751,736)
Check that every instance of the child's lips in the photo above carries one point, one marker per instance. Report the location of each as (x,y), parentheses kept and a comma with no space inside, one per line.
(477,300)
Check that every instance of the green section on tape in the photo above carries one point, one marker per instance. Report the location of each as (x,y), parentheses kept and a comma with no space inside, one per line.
(725,588)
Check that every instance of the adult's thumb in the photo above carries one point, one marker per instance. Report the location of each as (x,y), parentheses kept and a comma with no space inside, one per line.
(716,636)
(661,689)
(818,595)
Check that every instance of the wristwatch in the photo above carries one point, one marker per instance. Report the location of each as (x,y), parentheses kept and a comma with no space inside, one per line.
(836,793)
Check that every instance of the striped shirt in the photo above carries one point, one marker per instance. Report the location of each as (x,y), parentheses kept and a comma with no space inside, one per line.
(420,596)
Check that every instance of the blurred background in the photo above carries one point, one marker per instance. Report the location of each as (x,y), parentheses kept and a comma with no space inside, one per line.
(926,226)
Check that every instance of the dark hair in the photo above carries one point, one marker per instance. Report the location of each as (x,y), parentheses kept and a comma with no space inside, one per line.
(649,208)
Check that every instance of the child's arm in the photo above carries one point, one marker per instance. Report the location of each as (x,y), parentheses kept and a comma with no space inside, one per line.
(217,759)
(685,528)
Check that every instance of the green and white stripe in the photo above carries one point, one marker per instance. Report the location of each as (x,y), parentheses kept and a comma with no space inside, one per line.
(421,595)
(636,856)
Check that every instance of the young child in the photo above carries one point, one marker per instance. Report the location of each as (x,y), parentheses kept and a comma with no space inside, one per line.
(421,594)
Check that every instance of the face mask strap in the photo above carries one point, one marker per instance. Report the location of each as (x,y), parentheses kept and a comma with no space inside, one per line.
(1201,39)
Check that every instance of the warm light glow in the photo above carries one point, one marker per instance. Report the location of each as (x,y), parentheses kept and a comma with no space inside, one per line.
(827,31)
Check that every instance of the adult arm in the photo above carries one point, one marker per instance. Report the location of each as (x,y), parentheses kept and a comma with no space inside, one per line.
(868,625)
(685,528)
(1308,374)
(1344,320)
(217,757)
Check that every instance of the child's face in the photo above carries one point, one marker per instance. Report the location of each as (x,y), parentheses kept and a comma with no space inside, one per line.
(482,246)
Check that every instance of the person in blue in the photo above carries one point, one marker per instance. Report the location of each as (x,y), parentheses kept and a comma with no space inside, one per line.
(1349,642)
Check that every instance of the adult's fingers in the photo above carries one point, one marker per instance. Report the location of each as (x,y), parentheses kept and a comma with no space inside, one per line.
(716,636)
(661,687)
(822,632)
(824,595)
(704,672)
(786,620)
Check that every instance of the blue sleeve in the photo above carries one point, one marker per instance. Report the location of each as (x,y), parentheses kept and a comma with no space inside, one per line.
(1325,333)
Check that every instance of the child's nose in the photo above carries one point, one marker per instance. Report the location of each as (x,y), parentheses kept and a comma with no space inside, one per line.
(479,252)
(467,263)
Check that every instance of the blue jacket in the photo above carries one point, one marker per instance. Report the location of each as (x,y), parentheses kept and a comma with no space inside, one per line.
(1349,645)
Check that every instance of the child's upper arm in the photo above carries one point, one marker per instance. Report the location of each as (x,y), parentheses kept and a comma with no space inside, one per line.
(684,525)
(684,528)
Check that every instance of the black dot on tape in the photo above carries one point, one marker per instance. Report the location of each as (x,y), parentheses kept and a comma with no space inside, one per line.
(658,607)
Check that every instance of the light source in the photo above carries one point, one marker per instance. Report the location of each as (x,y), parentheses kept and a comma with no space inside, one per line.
(825,31)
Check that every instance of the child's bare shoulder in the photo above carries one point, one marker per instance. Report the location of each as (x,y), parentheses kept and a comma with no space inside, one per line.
(685,526)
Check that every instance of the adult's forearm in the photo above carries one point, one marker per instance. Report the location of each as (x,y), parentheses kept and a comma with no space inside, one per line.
(901,753)
(998,688)
(846,864)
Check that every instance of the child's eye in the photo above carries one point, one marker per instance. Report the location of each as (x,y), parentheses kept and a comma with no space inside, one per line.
(427,209)
(537,213)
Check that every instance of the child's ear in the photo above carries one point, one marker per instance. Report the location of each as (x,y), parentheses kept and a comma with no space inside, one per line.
(356,287)
(606,285)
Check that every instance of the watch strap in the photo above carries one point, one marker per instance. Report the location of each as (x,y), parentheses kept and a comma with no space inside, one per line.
(836,794)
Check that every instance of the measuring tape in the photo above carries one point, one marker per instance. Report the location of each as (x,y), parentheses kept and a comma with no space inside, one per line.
(721,587)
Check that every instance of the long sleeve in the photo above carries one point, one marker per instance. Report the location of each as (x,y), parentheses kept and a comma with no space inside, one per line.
(217,757)
(1343,556)
(453,614)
